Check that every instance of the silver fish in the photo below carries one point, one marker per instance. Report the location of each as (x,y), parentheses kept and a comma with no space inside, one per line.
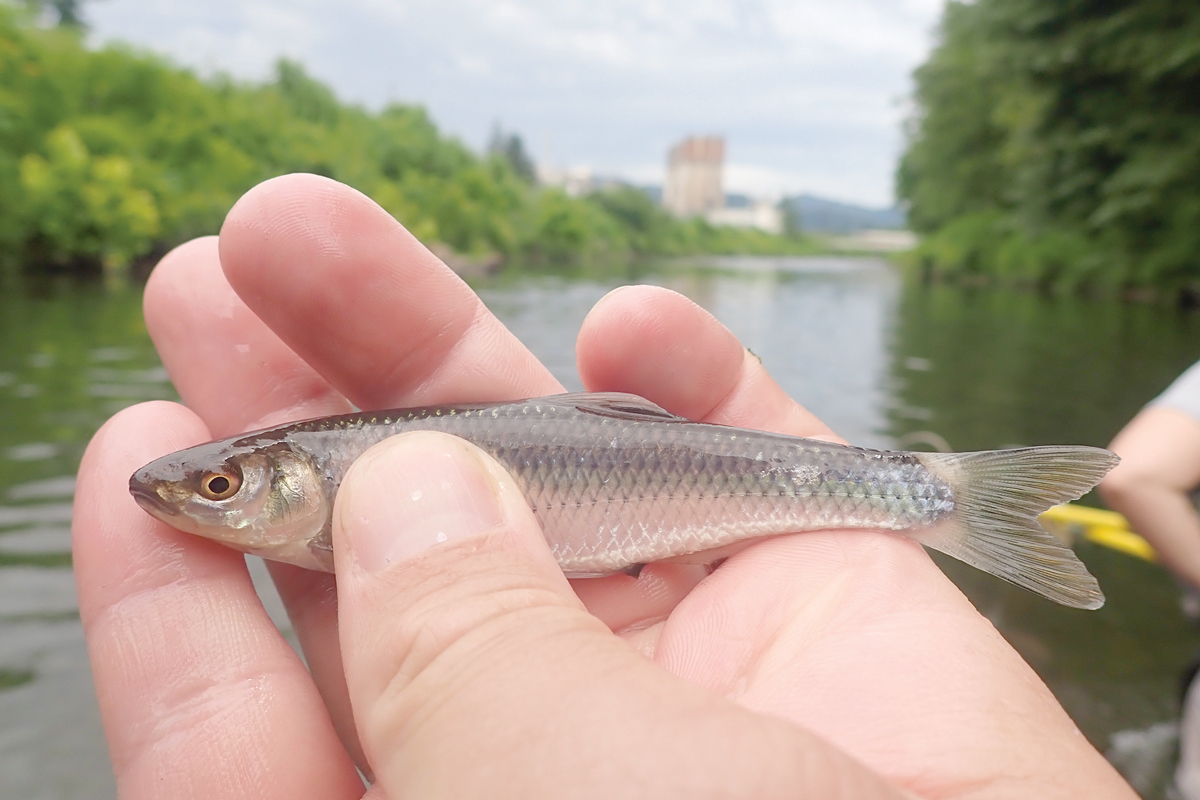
(617,482)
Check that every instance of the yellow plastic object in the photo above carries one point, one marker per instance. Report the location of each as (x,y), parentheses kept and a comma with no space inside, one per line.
(1106,528)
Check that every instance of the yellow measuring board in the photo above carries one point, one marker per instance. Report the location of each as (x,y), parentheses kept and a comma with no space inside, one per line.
(1106,528)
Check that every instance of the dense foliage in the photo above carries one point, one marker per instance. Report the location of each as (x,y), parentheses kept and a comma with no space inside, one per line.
(109,155)
(1058,142)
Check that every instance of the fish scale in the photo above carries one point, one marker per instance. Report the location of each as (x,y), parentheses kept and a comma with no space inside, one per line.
(616,481)
(609,489)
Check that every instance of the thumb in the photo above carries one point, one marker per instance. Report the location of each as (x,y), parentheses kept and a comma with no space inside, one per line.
(474,671)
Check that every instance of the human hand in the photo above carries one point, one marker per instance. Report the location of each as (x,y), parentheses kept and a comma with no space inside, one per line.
(854,637)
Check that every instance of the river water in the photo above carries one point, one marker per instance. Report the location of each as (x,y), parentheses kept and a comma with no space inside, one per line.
(885,362)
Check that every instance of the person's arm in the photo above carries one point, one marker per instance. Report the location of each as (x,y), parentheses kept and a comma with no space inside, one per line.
(1160,465)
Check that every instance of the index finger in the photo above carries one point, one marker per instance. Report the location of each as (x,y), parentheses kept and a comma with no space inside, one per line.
(425,338)
(199,695)
(371,309)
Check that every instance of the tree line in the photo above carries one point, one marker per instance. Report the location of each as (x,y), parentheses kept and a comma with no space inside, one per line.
(1057,143)
(111,155)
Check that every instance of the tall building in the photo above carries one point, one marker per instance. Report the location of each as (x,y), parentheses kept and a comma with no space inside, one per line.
(694,176)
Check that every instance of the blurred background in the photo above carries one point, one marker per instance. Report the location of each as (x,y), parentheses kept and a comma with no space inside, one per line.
(966,226)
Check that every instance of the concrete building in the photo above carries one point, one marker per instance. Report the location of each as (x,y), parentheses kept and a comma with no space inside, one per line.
(694,176)
(575,181)
(756,213)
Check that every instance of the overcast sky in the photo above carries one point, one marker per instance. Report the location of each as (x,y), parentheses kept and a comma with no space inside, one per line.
(809,94)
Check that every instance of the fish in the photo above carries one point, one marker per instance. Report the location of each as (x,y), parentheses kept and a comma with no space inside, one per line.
(617,482)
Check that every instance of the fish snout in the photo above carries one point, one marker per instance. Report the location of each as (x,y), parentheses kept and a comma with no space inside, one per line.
(146,495)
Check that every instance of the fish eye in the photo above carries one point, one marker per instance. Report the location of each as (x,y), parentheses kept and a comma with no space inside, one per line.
(220,485)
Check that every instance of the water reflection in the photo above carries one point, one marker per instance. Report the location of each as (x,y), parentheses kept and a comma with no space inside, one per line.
(1014,368)
(63,486)
(52,398)
(881,361)
(822,334)
(1009,369)
(12,678)
(820,325)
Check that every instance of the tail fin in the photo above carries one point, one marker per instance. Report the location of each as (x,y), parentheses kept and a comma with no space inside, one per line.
(998,495)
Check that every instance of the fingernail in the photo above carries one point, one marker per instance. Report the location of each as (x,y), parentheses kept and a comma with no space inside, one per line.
(412,492)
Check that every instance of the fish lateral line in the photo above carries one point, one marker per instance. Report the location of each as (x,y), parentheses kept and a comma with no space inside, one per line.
(618,482)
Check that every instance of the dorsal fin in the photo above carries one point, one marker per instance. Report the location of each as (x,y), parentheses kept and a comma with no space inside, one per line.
(618,405)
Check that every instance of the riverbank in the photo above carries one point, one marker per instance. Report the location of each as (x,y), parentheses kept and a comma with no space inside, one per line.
(113,156)
(1053,146)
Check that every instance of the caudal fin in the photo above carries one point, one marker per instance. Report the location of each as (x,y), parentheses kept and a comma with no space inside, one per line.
(998,496)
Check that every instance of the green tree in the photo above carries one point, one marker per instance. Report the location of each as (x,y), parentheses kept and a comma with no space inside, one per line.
(511,148)
(67,12)
(1059,141)
(83,209)
(107,155)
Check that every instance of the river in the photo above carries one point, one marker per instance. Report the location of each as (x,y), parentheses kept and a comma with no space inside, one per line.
(882,360)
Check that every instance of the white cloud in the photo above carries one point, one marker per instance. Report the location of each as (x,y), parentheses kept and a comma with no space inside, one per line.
(805,90)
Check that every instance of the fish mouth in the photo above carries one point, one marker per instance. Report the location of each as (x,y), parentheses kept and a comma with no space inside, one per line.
(150,501)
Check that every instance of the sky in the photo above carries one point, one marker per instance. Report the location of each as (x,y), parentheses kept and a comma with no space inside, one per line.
(810,95)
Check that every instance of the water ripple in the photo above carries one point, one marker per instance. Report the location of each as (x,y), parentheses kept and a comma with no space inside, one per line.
(42,514)
(112,354)
(110,375)
(134,391)
(34,451)
(40,539)
(50,487)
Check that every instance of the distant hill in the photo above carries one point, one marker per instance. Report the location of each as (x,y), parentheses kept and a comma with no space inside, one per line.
(654,192)
(817,215)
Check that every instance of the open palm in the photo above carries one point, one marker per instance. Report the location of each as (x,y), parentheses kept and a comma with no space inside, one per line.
(314,301)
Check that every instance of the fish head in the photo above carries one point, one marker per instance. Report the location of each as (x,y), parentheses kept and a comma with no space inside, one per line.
(264,498)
